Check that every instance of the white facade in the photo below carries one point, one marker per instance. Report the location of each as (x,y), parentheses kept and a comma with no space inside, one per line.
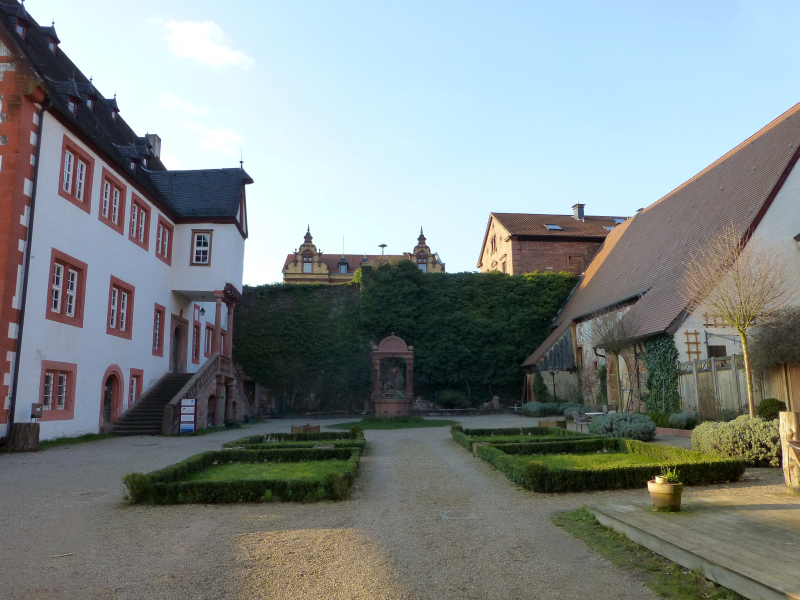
(61,225)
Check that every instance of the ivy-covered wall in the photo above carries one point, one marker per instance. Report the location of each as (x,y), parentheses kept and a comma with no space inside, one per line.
(470,332)
(663,375)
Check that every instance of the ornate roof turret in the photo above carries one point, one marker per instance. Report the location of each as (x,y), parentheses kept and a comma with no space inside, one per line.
(308,237)
(421,238)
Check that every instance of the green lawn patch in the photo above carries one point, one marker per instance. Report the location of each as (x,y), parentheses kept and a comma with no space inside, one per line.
(78,439)
(586,461)
(307,470)
(349,443)
(394,423)
(656,572)
(234,475)
(602,464)
(521,436)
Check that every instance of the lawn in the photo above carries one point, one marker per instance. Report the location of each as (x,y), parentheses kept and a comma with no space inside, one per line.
(587,461)
(394,423)
(307,471)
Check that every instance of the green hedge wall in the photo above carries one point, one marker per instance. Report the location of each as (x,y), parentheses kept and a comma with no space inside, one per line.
(165,486)
(284,445)
(470,332)
(693,468)
(548,435)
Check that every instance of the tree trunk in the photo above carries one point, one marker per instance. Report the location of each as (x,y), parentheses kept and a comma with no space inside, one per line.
(748,374)
(24,437)
(790,431)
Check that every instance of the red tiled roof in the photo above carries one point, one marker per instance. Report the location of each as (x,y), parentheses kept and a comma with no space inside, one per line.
(524,224)
(353,260)
(647,254)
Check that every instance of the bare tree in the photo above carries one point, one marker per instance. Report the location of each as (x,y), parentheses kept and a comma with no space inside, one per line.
(609,330)
(741,284)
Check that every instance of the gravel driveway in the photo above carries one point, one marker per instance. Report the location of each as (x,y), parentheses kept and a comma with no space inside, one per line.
(426,520)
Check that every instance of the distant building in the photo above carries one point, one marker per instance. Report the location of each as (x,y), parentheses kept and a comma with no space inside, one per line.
(521,243)
(309,265)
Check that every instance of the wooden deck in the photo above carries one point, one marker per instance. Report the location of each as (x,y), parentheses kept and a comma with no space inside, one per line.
(749,543)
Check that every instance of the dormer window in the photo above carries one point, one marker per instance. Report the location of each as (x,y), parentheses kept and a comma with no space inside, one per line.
(144,162)
(21,26)
(422,264)
(133,165)
(90,102)
(72,104)
(51,43)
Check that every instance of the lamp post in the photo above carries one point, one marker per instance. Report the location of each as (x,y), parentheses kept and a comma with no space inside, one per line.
(553,375)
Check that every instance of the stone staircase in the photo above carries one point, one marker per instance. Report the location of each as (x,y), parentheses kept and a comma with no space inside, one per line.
(146,415)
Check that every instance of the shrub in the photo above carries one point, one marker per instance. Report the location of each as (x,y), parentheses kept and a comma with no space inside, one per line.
(356,432)
(755,441)
(682,420)
(769,408)
(452,399)
(567,407)
(659,418)
(540,391)
(633,426)
(137,485)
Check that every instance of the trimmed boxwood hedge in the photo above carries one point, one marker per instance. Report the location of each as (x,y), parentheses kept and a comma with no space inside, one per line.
(166,486)
(284,445)
(464,437)
(292,437)
(693,468)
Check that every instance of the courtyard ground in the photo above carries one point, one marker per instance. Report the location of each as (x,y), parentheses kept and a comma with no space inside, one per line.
(425,520)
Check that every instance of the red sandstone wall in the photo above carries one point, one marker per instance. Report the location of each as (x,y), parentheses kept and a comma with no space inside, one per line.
(550,255)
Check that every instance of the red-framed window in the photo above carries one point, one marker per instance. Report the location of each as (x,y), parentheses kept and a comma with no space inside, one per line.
(201,247)
(209,339)
(120,309)
(135,385)
(66,289)
(75,178)
(196,334)
(139,223)
(57,390)
(164,239)
(159,317)
(112,202)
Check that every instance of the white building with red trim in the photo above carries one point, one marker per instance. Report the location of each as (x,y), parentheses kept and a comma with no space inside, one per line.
(119,277)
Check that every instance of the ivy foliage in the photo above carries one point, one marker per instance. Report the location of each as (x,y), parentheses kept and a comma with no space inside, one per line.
(470,332)
(663,375)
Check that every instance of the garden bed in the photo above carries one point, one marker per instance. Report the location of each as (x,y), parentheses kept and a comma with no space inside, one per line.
(615,464)
(290,474)
(517,435)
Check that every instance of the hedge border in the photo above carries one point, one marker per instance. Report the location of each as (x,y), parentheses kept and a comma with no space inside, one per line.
(694,468)
(165,486)
(463,437)
(289,445)
(290,437)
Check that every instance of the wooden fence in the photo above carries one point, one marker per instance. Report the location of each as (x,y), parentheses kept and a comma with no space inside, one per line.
(712,385)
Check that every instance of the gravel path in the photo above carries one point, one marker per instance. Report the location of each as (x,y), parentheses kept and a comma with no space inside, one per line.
(426,520)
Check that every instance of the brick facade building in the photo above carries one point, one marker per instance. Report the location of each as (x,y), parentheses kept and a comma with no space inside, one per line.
(522,243)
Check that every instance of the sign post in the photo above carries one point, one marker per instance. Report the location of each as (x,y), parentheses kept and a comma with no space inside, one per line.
(187,415)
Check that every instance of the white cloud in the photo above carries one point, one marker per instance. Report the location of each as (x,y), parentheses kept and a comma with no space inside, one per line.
(174,103)
(204,42)
(220,140)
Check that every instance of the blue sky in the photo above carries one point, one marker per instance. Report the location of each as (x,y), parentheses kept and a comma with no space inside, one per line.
(367,120)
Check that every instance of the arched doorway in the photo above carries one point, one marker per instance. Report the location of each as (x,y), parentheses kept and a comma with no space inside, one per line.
(179,340)
(111,396)
(211,411)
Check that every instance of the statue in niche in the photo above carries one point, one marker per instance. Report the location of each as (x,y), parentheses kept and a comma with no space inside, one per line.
(392,379)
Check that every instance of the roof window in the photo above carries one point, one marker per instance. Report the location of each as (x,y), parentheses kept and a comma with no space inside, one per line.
(553,227)
(618,219)
(608,227)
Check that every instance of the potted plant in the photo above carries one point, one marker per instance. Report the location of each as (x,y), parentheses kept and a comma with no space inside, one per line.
(665,490)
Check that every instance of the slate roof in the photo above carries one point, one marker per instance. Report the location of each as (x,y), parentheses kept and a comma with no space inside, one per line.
(646,255)
(60,77)
(202,192)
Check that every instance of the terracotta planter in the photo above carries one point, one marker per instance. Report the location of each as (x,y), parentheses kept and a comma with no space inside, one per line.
(666,496)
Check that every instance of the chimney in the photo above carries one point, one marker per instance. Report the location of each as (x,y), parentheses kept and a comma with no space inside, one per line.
(155,142)
(577,211)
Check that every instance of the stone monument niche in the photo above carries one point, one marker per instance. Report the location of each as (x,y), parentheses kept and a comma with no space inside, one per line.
(392,377)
